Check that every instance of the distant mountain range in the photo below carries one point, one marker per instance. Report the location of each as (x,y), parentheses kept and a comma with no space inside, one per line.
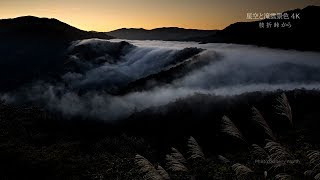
(168,34)
(302,35)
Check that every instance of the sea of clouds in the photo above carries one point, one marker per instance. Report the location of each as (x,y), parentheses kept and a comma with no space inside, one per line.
(102,65)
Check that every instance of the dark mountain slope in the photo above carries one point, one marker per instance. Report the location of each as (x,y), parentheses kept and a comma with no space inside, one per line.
(303,34)
(32,47)
(34,27)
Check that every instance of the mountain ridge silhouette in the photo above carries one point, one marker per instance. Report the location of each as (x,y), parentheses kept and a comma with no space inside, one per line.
(49,28)
(303,35)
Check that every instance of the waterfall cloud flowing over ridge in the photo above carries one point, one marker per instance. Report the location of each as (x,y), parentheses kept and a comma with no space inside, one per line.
(96,66)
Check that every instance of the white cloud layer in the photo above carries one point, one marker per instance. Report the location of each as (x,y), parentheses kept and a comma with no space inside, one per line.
(239,69)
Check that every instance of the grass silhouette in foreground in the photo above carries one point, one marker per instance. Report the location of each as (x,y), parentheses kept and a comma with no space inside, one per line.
(251,144)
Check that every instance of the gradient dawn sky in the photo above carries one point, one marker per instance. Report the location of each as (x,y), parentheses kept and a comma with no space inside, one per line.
(106,15)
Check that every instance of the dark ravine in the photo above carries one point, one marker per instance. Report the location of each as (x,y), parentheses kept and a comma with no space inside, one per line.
(165,76)
(86,58)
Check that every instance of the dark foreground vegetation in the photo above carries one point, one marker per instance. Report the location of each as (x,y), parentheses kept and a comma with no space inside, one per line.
(250,136)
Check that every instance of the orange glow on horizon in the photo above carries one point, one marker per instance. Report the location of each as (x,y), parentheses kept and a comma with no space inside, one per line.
(107,15)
